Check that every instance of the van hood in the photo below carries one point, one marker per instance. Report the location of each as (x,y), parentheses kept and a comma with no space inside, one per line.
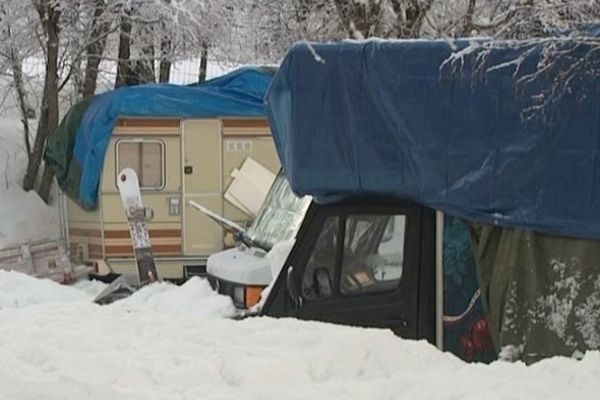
(247,266)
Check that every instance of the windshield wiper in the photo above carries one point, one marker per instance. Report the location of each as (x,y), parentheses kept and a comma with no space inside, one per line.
(217,218)
(239,232)
(248,241)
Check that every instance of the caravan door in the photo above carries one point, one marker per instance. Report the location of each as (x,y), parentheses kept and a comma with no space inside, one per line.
(202,183)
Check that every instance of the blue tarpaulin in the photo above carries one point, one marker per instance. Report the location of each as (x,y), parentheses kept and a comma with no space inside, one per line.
(390,117)
(239,93)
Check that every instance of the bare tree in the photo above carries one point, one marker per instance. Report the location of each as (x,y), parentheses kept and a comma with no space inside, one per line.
(124,70)
(100,28)
(13,51)
(49,15)
(556,36)
(203,62)
(383,18)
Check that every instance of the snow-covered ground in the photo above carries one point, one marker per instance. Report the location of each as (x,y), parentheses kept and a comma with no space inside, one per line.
(168,342)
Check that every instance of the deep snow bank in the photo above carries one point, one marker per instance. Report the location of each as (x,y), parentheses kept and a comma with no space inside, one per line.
(159,344)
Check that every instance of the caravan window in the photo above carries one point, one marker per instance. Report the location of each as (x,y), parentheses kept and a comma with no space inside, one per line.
(146,157)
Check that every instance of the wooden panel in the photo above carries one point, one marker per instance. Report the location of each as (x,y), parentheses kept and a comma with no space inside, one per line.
(95,250)
(95,233)
(245,123)
(246,127)
(159,249)
(149,122)
(147,126)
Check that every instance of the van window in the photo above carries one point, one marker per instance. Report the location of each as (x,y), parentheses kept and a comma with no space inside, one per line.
(373,253)
(320,269)
(280,216)
(146,157)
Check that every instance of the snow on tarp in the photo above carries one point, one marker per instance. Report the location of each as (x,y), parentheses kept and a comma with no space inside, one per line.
(239,93)
(389,117)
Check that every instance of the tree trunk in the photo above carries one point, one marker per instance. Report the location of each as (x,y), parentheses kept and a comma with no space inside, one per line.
(410,17)
(49,114)
(46,184)
(16,66)
(203,63)
(95,49)
(146,72)
(52,78)
(124,62)
(166,52)
(468,26)
(35,156)
(17,72)
(361,19)
(165,60)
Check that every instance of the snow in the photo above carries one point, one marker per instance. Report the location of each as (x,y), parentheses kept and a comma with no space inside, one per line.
(158,345)
(18,290)
(23,216)
(276,256)
(194,298)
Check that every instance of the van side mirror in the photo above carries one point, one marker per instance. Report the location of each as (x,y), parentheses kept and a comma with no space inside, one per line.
(322,283)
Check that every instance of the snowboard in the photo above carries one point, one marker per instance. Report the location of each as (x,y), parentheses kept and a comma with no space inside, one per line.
(137,218)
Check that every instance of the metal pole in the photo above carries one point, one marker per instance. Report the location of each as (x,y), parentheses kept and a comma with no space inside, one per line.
(439,280)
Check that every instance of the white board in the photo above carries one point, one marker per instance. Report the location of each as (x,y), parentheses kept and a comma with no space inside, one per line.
(249,187)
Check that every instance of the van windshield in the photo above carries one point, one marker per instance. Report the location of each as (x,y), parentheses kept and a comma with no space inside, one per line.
(280,216)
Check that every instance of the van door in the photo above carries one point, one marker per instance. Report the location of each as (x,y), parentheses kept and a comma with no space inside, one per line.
(355,263)
(202,183)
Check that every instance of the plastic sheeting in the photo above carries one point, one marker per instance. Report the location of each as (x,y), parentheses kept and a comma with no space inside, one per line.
(239,93)
(386,117)
(541,293)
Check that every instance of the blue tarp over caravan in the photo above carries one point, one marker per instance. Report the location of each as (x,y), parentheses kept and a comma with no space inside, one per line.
(239,93)
(389,117)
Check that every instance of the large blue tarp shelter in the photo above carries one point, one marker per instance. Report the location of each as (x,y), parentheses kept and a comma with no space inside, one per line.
(78,160)
(394,118)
